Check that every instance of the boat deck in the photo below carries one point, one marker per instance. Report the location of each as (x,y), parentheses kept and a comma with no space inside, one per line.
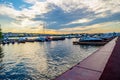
(103,64)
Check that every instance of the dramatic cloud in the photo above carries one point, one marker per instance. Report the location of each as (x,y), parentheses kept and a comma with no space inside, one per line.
(60,14)
(65,14)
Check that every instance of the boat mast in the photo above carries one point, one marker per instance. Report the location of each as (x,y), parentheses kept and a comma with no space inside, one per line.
(44,26)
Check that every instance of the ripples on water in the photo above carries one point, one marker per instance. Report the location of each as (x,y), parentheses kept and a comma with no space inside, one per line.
(40,60)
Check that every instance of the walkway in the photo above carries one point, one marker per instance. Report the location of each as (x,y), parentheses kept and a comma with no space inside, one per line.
(112,69)
(103,64)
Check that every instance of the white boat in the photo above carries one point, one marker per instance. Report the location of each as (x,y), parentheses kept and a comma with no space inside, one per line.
(90,39)
(22,40)
(41,39)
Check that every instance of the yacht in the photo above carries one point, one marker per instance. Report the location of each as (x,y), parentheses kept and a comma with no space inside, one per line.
(90,39)
(41,39)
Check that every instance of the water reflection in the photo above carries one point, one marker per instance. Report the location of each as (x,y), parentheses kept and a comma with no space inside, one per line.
(40,60)
(88,46)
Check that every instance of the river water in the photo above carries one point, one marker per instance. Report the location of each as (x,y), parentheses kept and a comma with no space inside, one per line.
(40,60)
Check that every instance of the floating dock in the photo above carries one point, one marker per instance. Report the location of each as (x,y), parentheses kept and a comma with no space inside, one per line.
(103,64)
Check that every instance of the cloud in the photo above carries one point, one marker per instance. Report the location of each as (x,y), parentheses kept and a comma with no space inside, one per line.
(111,18)
(31,1)
(61,17)
(23,17)
(102,27)
(65,14)
(8,11)
(61,14)
(77,28)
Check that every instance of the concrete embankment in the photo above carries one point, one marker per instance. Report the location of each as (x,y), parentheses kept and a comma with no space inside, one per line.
(112,69)
(103,64)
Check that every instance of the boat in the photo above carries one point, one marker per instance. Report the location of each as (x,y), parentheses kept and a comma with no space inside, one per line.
(30,40)
(48,38)
(90,41)
(58,38)
(12,41)
(5,42)
(22,40)
(40,39)
(45,37)
(107,37)
(70,36)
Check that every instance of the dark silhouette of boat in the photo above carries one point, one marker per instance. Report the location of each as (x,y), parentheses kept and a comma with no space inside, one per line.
(57,38)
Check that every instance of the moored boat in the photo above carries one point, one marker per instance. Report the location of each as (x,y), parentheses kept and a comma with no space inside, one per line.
(58,38)
(30,40)
(40,39)
(48,38)
(22,40)
(90,41)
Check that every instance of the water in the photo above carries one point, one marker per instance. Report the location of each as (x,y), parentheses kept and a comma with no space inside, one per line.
(40,60)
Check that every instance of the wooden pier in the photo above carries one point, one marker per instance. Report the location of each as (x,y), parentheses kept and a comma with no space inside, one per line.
(103,64)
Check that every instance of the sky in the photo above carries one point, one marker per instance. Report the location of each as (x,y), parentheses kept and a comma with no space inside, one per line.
(60,16)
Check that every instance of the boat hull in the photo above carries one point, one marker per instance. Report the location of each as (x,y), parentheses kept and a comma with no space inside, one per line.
(89,43)
(58,38)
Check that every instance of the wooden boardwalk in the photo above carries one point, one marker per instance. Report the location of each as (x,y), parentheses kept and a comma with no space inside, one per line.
(104,64)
